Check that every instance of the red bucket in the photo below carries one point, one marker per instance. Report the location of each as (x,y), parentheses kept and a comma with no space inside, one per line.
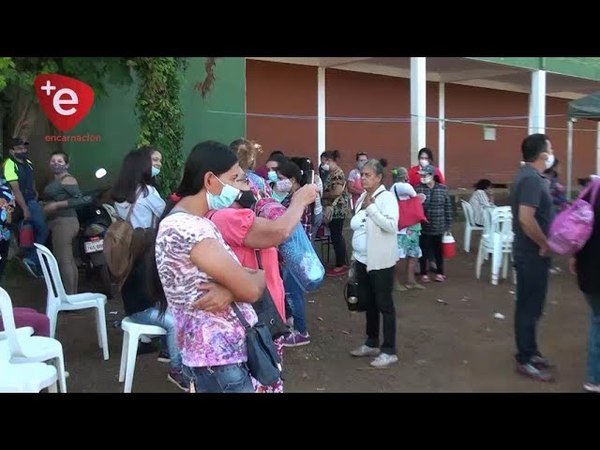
(26,237)
(448,246)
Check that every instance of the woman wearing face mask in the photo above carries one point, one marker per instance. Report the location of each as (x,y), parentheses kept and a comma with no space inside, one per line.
(156,158)
(251,237)
(63,196)
(190,255)
(354,184)
(273,165)
(291,179)
(137,201)
(425,159)
(336,207)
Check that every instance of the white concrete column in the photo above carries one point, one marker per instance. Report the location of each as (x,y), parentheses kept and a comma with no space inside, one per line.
(418,104)
(598,148)
(321,123)
(442,128)
(537,102)
(569,157)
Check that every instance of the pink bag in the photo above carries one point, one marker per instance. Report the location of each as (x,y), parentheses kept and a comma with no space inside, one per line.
(572,228)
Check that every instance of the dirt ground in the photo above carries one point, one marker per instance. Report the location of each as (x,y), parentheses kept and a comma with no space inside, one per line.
(454,346)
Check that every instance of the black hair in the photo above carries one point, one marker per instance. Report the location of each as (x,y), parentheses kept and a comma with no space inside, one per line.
(275,153)
(533,145)
(359,154)
(483,184)
(290,169)
(428,152)
(306,166)
(65,155)
(333,155)
(278,158)
(136,173)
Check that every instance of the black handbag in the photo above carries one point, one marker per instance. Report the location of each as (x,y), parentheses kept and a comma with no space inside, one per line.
(263,362)
(267,311)
(354,302)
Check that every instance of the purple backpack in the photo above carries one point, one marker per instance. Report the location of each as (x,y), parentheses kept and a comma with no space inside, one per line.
(572,228)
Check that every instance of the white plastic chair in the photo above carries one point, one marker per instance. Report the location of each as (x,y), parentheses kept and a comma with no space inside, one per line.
(27,377)
(58,300)
(470,225)
(23,349)
(497,240)
(131,335)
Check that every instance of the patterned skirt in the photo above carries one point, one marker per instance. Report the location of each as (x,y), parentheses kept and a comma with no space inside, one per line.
(408,242)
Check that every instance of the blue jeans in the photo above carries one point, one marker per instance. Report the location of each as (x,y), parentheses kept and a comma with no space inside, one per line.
(150,316)
(296,295)
(593,364)
(228,379)
(40,228)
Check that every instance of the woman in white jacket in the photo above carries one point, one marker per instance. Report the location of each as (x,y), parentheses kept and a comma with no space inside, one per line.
(374,249)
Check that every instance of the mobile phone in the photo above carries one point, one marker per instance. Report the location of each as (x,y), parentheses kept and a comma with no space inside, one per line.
(311,176)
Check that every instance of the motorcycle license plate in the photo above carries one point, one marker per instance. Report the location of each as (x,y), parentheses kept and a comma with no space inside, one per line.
(94,246)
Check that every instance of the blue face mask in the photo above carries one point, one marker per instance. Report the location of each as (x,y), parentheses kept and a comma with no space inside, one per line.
(272,175)
(155,171)
(225,199)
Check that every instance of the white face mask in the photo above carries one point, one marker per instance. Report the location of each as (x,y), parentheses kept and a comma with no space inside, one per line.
(549,162)
(424,162)
(325,167)
(427,179)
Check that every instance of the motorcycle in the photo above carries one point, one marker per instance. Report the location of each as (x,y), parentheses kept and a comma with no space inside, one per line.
(94,219)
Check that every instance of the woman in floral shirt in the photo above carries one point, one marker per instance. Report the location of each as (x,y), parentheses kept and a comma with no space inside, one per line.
(200,279)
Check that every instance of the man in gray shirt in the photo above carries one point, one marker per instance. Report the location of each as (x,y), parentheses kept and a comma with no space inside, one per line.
(532,210)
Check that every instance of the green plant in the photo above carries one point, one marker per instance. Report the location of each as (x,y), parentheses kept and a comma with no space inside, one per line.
(160,115)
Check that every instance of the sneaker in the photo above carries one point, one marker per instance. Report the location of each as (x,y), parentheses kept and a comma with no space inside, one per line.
(531,371)
(540,362)
(164,357)
(296,339)
(425,279)
(415,286)
(337,271)
(591,387)
(555,270)
(440,278)
(178,379)
(400,288)
(384,360)
(32,268)
(365,350)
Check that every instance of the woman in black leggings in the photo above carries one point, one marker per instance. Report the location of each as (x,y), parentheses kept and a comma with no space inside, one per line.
(336,203)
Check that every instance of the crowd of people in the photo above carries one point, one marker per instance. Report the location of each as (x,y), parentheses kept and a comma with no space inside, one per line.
(213,252)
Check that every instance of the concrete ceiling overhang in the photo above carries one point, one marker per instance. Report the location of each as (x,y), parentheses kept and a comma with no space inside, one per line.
(455,70)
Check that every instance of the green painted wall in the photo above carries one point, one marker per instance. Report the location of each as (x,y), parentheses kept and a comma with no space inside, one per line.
(113,117)
(588,68)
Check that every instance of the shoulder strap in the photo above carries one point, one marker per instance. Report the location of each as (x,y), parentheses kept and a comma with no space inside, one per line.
(240,316)
(396,192)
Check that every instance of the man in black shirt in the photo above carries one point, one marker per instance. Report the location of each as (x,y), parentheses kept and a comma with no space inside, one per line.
(532,210)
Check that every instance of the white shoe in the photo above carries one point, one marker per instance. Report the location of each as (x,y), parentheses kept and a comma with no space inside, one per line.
(384,360)
(365,350)
(591,387)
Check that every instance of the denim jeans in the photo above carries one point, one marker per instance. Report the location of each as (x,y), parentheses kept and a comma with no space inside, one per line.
(150,316)
(593,363)
(228,379)
(40,228)
(296,296)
